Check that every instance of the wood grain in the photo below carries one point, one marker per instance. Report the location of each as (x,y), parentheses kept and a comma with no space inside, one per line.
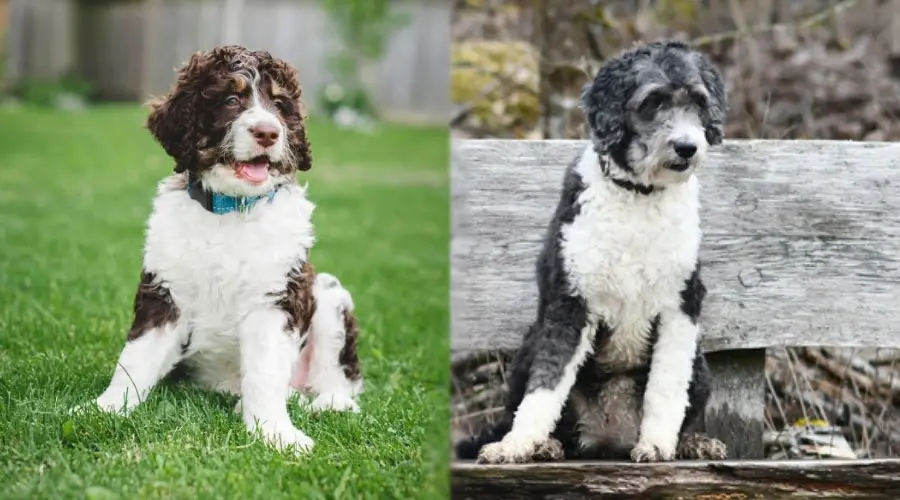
(736,410)
(745,480)
(801,241)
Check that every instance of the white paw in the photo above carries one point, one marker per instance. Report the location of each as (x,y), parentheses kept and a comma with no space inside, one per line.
(83,408)
(520,451)
(326,280)
(287,437)
(357,387)
(117,402)
(329,291)
(654,450)
(334,402)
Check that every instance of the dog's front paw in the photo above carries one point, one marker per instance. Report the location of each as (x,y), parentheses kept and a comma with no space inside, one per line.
(82,408)
(288,438)
(649,450)
(698,446)
(118,403)
(516,452)
(334,402)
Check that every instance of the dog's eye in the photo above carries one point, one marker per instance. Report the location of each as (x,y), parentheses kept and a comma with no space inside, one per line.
(281,105)
(232,100)
(700,100)
(653,102)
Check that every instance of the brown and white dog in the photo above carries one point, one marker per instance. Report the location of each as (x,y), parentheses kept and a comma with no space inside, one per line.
(227,294)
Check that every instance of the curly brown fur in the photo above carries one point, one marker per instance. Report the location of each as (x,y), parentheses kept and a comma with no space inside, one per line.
(348,358)
(191,121)
(153,306)
(298,299)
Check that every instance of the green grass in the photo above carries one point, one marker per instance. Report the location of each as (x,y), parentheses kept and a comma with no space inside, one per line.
(75,191)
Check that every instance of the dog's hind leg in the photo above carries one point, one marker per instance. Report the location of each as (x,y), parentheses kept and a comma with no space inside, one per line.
(329,364)
(560,346)
(693,443)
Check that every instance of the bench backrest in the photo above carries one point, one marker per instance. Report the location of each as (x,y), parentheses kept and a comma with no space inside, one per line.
(801,241)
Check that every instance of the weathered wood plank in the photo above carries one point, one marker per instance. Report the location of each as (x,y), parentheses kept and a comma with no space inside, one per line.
(736,410)
(801,245)
(764,479)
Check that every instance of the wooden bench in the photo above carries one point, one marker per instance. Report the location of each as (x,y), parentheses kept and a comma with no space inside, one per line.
(801,248)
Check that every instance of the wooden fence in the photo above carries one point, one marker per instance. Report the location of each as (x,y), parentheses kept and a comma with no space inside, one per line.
(128,51)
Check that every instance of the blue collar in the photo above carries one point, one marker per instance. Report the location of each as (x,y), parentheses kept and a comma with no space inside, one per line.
(220,204)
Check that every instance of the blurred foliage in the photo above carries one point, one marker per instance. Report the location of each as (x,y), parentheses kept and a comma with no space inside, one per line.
(92,3)
(824,69)
(364,27)
(681,15)
(52,92)
(334,97)
(3,61)
(491,19)
(498,82)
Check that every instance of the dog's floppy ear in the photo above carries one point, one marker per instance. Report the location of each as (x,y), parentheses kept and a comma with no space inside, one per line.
(172,119)
(295,120)
(301,150)
(603,102)
(714,116)
(299,144)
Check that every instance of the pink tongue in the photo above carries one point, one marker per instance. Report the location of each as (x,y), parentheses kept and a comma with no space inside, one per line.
(253,172)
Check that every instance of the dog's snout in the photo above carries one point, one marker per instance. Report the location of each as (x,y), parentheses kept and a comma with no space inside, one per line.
(265,135)
(685,149)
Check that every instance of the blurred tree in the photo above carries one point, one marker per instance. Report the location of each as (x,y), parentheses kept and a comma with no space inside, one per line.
(560,37)
(364,27)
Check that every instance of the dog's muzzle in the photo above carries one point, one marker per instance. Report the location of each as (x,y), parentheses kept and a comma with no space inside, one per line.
(679,166)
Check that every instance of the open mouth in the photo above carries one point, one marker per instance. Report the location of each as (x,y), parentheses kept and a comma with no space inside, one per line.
(679,166)
(254,171)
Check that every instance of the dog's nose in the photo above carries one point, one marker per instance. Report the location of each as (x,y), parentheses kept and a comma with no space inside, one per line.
(685,149)
(265,135)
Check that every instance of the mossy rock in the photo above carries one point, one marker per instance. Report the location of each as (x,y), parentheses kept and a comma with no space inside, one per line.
(499,80)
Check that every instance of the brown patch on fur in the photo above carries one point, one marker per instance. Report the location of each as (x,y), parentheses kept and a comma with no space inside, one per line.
(277,91)
(191,121)
(348,358)
(153,307)
(239,84)
(297,299)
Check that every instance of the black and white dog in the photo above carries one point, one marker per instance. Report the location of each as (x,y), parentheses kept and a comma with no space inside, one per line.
(611,366)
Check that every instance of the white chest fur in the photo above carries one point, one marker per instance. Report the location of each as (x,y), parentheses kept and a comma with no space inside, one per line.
(218,268)
(628,255)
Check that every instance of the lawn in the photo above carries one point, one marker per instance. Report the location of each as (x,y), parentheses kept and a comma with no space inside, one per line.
(75,191)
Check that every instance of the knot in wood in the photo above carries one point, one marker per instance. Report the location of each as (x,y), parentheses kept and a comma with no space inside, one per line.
(746,202)
(749,278)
